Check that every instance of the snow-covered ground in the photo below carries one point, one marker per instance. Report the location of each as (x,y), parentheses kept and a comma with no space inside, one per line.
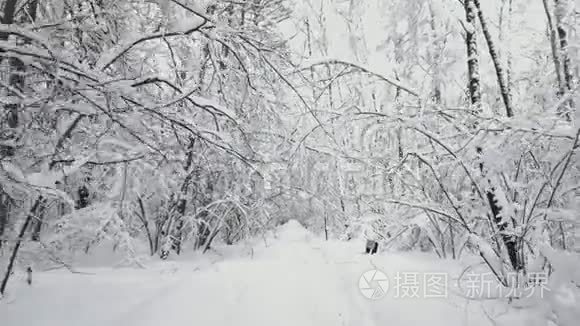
(289,278)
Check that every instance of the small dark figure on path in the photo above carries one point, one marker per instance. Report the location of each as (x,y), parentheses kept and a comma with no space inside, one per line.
(371,247)
(29,275)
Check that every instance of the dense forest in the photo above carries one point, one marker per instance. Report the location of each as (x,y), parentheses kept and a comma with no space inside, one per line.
(164,127)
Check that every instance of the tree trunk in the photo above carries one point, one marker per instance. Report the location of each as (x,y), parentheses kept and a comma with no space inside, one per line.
(499,224)
(325,225)
(435,56)
(502,226)
(309,47)
(499,70)
(472,54)
(555,50)
(505,28)
(143,217)
(177,238)
(565,55)
(452,239)
(4,211)
(23,229)
(38,220)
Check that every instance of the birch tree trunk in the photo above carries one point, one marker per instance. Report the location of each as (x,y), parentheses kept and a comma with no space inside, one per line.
(499,226)
(435,56)
(505,40)
(561,13)
(474,85)
(499,69)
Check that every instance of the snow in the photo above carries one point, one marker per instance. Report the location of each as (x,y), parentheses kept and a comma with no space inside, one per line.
(486,251)
(288,277)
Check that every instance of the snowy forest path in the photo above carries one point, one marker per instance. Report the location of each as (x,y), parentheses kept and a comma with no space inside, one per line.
(297,279)
(293,278)
(292,281)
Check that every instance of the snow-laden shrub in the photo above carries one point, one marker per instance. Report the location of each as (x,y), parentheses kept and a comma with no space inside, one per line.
(87,229)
